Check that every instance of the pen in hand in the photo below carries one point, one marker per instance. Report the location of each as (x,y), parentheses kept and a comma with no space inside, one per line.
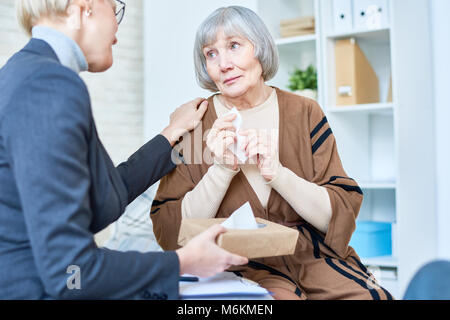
(188,279)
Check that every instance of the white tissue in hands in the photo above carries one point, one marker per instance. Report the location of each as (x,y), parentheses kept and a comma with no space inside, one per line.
(243,218)
(236,147)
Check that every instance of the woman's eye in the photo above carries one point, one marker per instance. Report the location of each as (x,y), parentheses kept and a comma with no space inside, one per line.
(234,45)
(211,54)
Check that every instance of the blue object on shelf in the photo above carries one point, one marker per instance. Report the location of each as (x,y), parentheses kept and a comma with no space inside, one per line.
(372,239)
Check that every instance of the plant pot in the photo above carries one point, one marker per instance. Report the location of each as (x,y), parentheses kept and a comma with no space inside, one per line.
(308,93)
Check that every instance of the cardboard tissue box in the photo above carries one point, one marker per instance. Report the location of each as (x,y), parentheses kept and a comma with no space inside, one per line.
(262,239)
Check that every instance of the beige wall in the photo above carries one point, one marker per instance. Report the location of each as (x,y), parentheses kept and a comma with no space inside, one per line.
(117,95)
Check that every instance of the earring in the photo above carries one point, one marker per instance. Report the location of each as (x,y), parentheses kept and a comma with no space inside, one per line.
(88,13)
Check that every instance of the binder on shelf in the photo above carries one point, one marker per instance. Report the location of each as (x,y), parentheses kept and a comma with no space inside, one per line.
(301,22)
(295,33)
(342,15)
(297,27)
(370,14)
(356,81)
(372,239)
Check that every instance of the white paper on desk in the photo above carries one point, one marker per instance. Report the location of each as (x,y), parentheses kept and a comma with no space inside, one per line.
(222,284)
(236,147)
(243,219)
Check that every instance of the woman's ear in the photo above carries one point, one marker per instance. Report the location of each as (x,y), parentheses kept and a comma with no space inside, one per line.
(74,12)
(87,5)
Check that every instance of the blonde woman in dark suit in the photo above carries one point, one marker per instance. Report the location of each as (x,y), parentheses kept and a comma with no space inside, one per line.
(58,186)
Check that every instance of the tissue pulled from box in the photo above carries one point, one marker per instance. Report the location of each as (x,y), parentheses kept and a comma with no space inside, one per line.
(242,219)
(236,147)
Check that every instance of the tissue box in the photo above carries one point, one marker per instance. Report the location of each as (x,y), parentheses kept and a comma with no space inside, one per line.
(270,240)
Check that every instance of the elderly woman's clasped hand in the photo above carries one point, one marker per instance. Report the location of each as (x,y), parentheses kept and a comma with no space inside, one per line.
(258,146)
(221,136)
(261,150)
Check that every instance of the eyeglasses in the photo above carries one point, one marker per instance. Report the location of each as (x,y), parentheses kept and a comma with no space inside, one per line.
(120,11)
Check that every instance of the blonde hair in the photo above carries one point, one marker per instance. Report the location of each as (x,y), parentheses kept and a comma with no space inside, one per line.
(30,11)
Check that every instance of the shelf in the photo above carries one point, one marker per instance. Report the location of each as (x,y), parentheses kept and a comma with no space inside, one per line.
(384,261)
(377,185)
(383,108)
(296,40)
(382,33)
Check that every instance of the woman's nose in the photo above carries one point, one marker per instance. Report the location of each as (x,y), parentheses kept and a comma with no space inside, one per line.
(225,63)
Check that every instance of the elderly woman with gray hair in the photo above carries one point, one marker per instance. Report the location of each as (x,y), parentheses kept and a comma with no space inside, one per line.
(58,185)
(293,175)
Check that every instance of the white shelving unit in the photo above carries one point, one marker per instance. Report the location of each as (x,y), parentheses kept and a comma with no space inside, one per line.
(384,261)
(298,51)
(365,133)
(373,33)
(372,108)
(377,185)
(295,40)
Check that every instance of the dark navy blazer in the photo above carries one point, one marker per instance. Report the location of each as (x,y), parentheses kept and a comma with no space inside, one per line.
(58,187)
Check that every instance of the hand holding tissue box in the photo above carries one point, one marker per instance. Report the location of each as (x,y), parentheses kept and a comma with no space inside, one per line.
(246,236)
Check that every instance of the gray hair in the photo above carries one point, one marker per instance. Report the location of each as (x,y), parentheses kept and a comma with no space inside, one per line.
(235,21)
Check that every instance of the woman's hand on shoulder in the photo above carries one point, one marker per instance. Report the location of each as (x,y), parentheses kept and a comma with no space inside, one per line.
(184,119)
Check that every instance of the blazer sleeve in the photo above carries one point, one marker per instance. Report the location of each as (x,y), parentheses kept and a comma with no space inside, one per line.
(146,166)
(345,195)
(166,207)
(46,135)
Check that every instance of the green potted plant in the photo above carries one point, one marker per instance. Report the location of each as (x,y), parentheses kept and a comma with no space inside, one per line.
(304,82)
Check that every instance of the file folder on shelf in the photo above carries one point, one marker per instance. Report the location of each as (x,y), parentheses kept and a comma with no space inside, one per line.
(356,81)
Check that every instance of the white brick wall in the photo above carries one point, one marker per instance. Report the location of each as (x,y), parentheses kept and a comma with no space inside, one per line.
(11,39)
(117,95)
